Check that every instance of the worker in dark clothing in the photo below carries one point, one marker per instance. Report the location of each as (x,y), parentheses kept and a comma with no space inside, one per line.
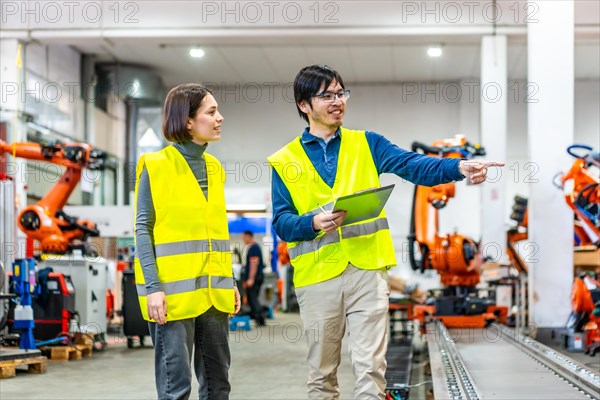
(253,276)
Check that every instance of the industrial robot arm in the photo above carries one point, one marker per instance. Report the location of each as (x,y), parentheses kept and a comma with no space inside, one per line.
(454,256)
(581,189)
(517,233)
(457,258)
(45,221)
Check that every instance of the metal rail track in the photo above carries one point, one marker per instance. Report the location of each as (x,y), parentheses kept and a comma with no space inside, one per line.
(455,382)
(577,375)
(498,363)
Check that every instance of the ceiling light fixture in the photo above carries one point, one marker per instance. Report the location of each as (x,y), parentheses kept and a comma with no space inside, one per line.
(434,51)
(197,53)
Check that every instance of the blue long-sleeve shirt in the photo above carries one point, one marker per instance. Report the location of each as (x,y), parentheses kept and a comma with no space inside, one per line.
(389,158)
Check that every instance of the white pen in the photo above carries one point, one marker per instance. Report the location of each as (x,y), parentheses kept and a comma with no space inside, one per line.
(322,209)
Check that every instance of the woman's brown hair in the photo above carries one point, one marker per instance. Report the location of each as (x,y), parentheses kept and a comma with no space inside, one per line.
(182,102)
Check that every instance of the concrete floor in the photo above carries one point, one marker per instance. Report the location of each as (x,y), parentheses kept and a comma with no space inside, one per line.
(267,363)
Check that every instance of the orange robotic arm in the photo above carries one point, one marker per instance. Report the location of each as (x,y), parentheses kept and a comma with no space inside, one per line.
(582,193)
(517,233)
(45,221)
(454,256)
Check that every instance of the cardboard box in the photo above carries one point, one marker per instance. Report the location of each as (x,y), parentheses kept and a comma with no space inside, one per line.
(495,274)
(586,256)
(491,271)
(84,338)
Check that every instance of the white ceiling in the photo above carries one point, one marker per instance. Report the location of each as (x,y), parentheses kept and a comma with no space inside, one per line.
(358,63)
(372,42)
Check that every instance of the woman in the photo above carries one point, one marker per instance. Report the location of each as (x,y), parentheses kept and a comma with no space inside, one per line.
(183,269)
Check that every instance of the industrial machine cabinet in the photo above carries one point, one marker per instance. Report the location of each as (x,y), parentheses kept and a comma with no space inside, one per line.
(90,279)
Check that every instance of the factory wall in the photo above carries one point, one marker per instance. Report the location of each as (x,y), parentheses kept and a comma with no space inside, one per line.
(259,119)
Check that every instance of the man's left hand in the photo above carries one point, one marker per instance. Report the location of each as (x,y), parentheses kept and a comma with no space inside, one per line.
(476,171)
(250,282)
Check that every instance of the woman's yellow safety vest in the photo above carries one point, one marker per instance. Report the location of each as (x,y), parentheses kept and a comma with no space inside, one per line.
(366,244)
(191,236)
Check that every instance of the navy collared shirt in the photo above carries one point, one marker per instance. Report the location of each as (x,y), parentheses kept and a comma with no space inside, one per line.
(389,158)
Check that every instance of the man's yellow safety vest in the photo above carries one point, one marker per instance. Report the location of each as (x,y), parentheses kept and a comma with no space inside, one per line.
(191,236)
(366,244)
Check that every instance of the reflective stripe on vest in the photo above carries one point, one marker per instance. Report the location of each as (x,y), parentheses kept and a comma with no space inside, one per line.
(365,244)
(191,237)
(190,285)
(191,246)
(333,237)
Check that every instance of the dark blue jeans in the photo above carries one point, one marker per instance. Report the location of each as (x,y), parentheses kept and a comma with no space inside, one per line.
(206,338)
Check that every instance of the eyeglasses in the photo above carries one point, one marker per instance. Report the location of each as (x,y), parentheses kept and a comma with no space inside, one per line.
(330,97)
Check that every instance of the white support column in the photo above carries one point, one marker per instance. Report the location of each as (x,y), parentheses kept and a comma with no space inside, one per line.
(13,101)
(494,94)
(470,112)
(460,215)
(550,130)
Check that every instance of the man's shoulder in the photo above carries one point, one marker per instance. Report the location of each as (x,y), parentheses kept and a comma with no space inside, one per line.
(373,139)
(347,129)
(370,135)
(373,134)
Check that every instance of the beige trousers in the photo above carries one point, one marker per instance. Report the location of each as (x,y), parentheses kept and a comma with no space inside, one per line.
(355,302)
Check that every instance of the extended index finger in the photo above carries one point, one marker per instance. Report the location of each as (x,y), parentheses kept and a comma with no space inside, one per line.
(493,164)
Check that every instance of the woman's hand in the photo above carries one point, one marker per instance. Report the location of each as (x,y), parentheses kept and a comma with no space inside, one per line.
(157,307)
(238,300)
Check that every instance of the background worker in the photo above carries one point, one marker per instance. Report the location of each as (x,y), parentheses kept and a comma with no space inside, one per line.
(340,274)
(253,276)
(183,265)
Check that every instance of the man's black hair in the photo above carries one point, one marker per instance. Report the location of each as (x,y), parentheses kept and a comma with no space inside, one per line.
(249,233)
(308,82)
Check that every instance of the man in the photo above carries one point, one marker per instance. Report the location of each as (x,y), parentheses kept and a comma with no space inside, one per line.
(253,276)
(340,273)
